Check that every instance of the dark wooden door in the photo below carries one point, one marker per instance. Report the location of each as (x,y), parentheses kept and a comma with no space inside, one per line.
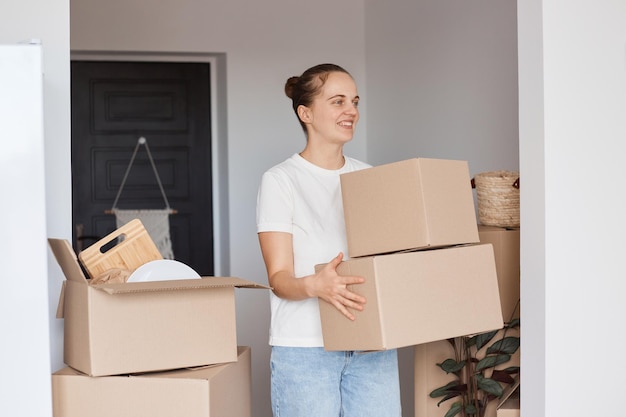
(115,103)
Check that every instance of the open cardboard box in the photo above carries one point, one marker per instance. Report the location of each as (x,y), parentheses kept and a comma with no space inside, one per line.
(417,297)
(134,327)
(408,205)
(214,391)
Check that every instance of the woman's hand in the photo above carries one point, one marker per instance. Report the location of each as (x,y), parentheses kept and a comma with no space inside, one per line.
(331,287)
(326,284)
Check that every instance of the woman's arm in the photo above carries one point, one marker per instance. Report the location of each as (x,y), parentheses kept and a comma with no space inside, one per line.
(326,284)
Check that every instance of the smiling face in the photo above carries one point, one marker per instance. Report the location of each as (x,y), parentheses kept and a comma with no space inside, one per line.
(333,114)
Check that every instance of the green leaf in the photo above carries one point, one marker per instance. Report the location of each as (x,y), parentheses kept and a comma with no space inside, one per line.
(491,361)
(484,338)
(502,376)
(513,324)
(455,409)
(449,396)
(450,387)
(451,366)
(470,409)
(511,370)
(507,345)
(489,386)
(470,341)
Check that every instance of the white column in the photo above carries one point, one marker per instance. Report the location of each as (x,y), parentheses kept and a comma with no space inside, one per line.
(25,348)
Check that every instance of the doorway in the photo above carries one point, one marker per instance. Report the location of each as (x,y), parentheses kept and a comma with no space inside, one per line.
(113,104)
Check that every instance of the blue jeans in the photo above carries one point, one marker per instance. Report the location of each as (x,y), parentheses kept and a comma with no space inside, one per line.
(311,382)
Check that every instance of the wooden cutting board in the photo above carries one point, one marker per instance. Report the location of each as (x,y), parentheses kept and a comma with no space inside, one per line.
(128,247)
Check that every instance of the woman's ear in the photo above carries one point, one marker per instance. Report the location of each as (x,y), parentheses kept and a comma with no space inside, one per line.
(304,113)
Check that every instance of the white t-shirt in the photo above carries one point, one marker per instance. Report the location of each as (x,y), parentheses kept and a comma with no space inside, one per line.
(303,199)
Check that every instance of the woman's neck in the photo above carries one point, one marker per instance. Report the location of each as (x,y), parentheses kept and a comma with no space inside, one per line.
(324,158)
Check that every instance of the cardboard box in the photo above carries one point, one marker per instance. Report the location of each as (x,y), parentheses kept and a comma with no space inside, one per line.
(429,376)
(509,405)
(133,327)
(506,248)
(413,204)
(511,409)
(216,391)
(417,297)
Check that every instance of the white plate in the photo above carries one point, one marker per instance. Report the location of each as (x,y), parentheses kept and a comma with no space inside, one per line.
(162,270)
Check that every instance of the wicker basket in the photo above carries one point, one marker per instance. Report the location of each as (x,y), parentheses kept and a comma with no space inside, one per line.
(498,198)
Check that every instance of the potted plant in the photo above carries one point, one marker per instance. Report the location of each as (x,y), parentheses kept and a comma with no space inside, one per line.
(477,381)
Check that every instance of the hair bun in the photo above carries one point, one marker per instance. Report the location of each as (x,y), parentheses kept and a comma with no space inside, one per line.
(289,86)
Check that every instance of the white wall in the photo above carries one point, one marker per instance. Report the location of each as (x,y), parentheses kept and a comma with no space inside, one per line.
(573,126)
(572,82)
(533,166)
(24,301)
(23,392)
(441,83)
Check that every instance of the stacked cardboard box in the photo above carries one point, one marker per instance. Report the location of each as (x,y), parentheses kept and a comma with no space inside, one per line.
(158,348)
(509,405)
(412,233)
(213,391)
(428,376)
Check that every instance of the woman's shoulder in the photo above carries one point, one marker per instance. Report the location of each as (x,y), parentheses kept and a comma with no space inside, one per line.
(285,166)
(284,172)
(354,164)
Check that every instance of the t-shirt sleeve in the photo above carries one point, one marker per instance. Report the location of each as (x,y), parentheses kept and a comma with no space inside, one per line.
(274,212)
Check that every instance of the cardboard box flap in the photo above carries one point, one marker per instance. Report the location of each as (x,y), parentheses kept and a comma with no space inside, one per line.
(66,258)
(181,373)
(178,285)
(61,306)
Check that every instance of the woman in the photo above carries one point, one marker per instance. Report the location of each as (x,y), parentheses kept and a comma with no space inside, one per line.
(300,224)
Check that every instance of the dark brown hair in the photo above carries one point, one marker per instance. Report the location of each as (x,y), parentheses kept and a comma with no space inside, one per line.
(303,89)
